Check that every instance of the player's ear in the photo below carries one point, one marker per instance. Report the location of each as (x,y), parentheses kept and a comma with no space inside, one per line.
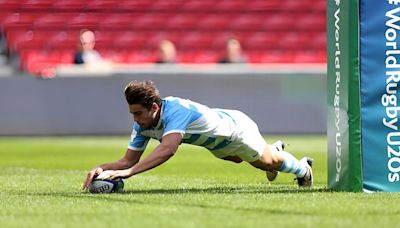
(155,107)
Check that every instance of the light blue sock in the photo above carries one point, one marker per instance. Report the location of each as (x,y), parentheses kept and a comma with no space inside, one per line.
(292,165)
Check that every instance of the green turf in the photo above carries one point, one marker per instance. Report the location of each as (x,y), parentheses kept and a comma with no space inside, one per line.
(41,180)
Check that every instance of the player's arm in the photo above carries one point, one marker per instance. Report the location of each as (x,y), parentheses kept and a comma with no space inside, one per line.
(130,158)
(165,150)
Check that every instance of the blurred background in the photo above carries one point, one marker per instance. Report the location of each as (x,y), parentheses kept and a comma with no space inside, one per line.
(275,50)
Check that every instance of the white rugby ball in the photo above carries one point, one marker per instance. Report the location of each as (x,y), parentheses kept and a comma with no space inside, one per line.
(106,185)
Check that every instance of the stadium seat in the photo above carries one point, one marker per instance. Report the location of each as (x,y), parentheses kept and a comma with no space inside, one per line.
(198,57)
(63,40)
(149,21)
(197,40)
(53,21)
(130,40)
(261,40)
(263,6)
(100,5)
(228,6)
(247,22)
(144,56)
(134,6)
(36,5)
(84,21)
(315,21)
(214,22)
(269,31)
(37,61)
(184,21)
(10,6)
(167,5)
(117,22)
(277,22)
(199,5)
(69,5)
(19,21)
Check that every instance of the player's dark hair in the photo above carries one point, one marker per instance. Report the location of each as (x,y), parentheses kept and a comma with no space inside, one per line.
(144,93)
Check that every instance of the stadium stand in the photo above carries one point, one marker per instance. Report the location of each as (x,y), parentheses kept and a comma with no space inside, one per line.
(43,33)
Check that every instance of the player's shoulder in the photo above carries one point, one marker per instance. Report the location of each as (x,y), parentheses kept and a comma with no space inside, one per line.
(172,103)
(172,100)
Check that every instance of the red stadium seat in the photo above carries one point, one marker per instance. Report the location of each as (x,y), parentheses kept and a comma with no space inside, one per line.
(154,38)
(263,6)
(38,62)
(19,21)
(100,5)
(134,6)
(144,56)
(215,22)
(15,36)
(247,22)
(199,6)
(310,56)
(197,40)
(261,40)
(130,40)
(37,5)
(269,31)
(63,40)
(10,6)
(69,5)
(315,21)
(279,22)
(30,40)
(277,56)
(294,40)
(184,21)
(117,22)
(167,5)
(52,21)
(149,21)
(227,6)
(198,57)
(84,21)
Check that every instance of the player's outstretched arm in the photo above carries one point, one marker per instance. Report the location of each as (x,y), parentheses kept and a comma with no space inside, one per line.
(131,158)
(160,154)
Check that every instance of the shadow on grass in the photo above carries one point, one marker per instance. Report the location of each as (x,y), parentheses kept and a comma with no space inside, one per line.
(225,190)
(134,197)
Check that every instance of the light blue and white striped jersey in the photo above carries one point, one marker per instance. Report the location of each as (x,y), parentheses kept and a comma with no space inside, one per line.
(198,124)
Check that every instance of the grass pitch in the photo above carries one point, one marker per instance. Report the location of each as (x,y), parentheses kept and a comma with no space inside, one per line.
(41,180)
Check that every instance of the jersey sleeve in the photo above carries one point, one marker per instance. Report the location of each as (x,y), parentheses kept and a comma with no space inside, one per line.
(138,142)
(178,119)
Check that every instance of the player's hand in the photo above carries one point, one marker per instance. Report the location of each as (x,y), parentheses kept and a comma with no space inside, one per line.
(125,173)
(90,175)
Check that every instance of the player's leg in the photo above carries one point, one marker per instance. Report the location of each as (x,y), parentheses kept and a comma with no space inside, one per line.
(252,148)
(235,159)
(285,162)
(275,147)
(222,155)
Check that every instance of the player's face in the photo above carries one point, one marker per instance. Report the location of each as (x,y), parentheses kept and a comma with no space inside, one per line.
(144,117)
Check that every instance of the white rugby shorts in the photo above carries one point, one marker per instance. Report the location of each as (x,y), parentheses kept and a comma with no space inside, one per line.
(247,141)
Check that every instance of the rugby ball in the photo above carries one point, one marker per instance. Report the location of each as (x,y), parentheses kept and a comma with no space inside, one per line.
(106,185)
